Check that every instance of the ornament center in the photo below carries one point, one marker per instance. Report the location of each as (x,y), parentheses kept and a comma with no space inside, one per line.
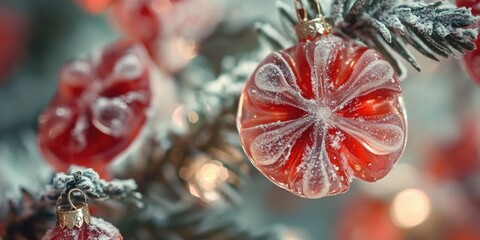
(324,114)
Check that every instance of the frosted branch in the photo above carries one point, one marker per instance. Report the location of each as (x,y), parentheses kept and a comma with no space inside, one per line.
(431,28)
(98,189)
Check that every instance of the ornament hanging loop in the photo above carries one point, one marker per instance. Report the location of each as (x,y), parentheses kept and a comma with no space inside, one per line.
(69,197)
(302,12)
(308,29)
(72,214)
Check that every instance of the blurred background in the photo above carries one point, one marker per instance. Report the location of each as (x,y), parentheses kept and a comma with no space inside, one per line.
(433,193)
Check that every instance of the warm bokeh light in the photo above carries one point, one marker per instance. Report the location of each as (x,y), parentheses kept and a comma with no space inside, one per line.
(410,208)
(94,6)
(186,47)
(160,5)
(206,196)
(178,117)
(193,117)
(294,234)
(210,175)
(290,236)
(204,176)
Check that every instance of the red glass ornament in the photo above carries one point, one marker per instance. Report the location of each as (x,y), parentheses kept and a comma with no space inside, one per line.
(12,40)
(97,229)
(99,109)
(456,159)
(75,223)
(367,218)
(471,61)
(170,29)
(473,4)
(95,6)
(314,116)
(139,18)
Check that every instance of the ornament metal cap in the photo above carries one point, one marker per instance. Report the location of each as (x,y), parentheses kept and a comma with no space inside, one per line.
(308,29)
(70,215)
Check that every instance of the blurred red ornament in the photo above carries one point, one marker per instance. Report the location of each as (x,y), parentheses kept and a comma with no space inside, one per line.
(459,158)
(12,40)
(473,4)
(97,229)
(95,6)
(316,115)
(367,219)
(139,18)
(170,29)
(75,223)
(467,231)
(471,59)
(99,109)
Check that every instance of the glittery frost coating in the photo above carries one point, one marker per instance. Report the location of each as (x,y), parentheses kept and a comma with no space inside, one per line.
(314,116)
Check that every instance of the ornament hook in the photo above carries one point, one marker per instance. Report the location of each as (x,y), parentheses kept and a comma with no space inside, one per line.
(69,196)
(302,13)
(308,29)
(72,215)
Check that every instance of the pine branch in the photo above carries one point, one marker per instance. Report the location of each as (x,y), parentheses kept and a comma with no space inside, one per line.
(431,28)
(89,181)
(173,212)
(287,19)
(28,217)
(272,36)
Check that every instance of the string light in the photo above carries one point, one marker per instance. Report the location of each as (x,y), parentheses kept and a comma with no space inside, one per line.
(410,208)
(187,47)
(294,234)
(204,176)
(178,117)
(193,117)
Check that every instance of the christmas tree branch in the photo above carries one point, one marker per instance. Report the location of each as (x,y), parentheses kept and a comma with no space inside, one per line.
(27,217)
(431,28)
(172,212)
(90,183)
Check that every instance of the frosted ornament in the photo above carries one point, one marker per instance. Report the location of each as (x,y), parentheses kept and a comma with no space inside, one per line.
(75,223)
(172,30)
(474,5)
(471,59)
(316,115)
(99,110)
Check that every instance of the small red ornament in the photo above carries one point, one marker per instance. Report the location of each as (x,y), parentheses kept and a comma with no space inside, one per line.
(74,223)
(99,109)
(367,218)
(473,4)
(471,59)
(170,29)
(459,158)
(315,115)
(95,6)
(139,18)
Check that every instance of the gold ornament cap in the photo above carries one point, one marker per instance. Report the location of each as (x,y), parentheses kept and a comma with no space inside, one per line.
(308,29)
(70,215)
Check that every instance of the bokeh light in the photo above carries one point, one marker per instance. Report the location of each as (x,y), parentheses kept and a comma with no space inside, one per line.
(410,208)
